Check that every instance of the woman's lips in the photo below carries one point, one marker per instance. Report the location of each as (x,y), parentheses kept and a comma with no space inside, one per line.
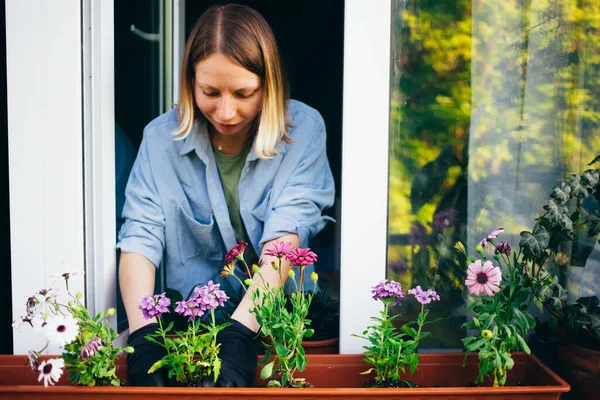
(225,126)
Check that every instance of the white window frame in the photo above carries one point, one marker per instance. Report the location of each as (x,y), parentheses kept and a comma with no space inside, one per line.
(99,155)
(45,151)
(367,49)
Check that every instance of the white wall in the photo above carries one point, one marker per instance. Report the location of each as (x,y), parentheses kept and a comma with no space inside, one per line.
(43,52)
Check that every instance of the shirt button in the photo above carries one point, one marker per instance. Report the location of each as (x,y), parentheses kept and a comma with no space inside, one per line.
(245,198)
(252,228)
(246,170)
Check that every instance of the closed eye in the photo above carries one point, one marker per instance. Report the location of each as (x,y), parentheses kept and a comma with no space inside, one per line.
(244,95)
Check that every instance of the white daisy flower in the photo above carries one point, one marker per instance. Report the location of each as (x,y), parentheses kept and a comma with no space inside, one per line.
(61,329)
(51,371)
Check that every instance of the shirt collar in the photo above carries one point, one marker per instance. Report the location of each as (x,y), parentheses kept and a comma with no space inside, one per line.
(197,140)
(279,148)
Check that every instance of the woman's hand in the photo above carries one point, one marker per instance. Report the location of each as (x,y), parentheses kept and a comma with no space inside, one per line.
(238,354)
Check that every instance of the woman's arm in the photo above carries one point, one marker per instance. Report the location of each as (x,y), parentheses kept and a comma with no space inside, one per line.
(136,279)
(242,313)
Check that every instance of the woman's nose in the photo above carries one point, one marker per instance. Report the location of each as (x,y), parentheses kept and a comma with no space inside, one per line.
(226,109)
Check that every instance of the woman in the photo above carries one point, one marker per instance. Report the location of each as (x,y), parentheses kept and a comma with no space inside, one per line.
(236,160)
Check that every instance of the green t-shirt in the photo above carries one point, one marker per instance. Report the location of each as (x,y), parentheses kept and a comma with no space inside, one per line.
(230,169)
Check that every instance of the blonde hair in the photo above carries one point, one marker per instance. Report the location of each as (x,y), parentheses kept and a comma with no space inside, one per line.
(243,35)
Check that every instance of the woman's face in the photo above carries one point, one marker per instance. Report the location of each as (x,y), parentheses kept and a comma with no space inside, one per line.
(228,95)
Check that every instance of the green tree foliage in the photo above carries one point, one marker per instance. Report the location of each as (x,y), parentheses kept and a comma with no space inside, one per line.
(492,104)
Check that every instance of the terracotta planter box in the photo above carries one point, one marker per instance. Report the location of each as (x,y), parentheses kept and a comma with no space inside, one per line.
(335,377)
(326,346)
(581,368)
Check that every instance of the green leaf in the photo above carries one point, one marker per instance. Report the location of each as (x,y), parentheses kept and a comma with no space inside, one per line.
(414,362)
(523,345)
(555,212)
(309,333)
(281,349)
(216,368)
(115,382)
(561,193)
(521,296)
(589,179)
(510,363)
(157,365)
(476,344)
(595,160)
(534,244)
(267,371)
(577,189)
(521,319)
(300,361)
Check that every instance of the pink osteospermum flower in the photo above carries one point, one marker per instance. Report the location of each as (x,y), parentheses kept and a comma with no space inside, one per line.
(301,257)
(51,371)
(388,290)
(90,349)
(483,278)
(492,235)
(236,252)
(424,296)
(279,249)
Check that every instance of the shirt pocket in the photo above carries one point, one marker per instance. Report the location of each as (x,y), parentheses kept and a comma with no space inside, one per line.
(260,211)
(196,238)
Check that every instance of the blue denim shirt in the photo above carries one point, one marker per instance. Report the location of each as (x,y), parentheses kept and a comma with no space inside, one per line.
(175,211)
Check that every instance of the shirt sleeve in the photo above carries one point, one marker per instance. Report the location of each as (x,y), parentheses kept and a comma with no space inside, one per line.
(309,190)
(143,231)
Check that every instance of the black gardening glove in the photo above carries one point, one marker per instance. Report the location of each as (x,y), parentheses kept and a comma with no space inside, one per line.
(238,354)
(145,355)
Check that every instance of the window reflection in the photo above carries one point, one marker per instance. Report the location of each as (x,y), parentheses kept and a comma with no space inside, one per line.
(492,103)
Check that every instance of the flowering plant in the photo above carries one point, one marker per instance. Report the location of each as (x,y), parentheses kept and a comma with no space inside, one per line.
(390,351)
(502,300)
(89,354)
(192,355)
(283,328)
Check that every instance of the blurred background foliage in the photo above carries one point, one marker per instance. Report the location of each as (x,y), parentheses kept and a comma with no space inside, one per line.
(492,103)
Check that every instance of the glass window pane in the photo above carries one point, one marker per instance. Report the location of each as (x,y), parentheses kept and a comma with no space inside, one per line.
(492,104)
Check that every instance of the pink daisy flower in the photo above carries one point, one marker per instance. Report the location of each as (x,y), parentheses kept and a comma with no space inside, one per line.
(493,235)
(236,252)
(279,249)
(483,278)
(301,257)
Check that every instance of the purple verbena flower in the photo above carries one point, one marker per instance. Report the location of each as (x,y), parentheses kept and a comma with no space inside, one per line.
(444,219)
(301,257)
(424,296)
(385,290)
(205,298)
(236,252)
(155,306)
(503,248)
(493,235)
